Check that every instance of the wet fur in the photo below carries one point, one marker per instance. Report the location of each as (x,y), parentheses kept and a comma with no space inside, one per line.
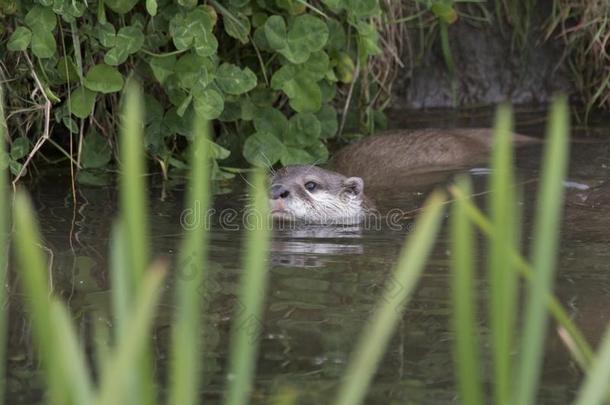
(399,158)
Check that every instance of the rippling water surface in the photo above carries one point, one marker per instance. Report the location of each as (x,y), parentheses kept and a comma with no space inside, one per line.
(325,281)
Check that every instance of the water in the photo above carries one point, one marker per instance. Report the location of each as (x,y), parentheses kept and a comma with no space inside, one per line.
(324,283)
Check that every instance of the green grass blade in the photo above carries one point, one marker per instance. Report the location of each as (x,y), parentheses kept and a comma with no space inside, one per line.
(381,325)
(544,251)
(466,353)
(187,355)
(252,290)
(114,382)
(134,206)
(595,388)
(71,359)
(33,274)
(502,278)
(134,225)
(119,279)
(583,353)
(4,232)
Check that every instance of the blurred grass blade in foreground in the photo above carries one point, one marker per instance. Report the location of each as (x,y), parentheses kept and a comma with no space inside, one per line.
(380,326)
(114,382)
(595,388)
(134,226)
(247,322)
(133,198)
(4,232)
(33,273)
(191,304)
(502,277)
(466,352)
(545,241)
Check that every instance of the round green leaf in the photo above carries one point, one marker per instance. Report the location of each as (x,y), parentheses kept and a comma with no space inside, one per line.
(20,147)
(20,39)
(271,120)
(116,56)
(233,80)
(41,18)
(444,12)
(263,149)
(82,101)
(337,40)
(319,152)
(316,66)
(208,104)
(131,38)
(191,70)
(304,129)
(206,44)
(283,75)
(69,10)
(368,39)
(43,44)
(304,94)
(296,156)
(309,31)
(275,31)
(328,120)
(363,8)
(104,78)
(151,7)
(237,26)
(180,32)
(96,151)
(106,34)
(120,6)
(195,28)
(162,68)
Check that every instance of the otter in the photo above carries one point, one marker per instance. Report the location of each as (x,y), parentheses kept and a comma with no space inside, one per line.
(399,159)
(315,195)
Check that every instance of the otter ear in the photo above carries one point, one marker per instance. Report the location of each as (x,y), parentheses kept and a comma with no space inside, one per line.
(353,186)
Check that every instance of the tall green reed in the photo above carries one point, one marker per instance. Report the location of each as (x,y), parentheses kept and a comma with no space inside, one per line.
(502,278)
(594,390)
(466,345)
(133,222)
(186,349)
(4,230)
(247,324)
(544,249)
(396,295)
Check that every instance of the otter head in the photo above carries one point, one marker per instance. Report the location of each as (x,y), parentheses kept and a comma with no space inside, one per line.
(312,194)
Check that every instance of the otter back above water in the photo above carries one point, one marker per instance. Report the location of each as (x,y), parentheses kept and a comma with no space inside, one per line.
(414,157)
(406,160)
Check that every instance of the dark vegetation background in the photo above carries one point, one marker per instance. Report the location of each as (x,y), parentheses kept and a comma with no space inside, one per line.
(283,80)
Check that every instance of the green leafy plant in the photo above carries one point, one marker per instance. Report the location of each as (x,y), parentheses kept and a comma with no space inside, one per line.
(233,61)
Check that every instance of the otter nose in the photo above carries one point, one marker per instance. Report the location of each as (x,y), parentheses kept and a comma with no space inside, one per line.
(279,191)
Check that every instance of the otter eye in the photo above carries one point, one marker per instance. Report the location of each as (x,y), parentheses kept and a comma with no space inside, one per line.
(310,186)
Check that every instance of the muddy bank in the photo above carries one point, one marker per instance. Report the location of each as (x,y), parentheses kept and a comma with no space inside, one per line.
(489,68)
